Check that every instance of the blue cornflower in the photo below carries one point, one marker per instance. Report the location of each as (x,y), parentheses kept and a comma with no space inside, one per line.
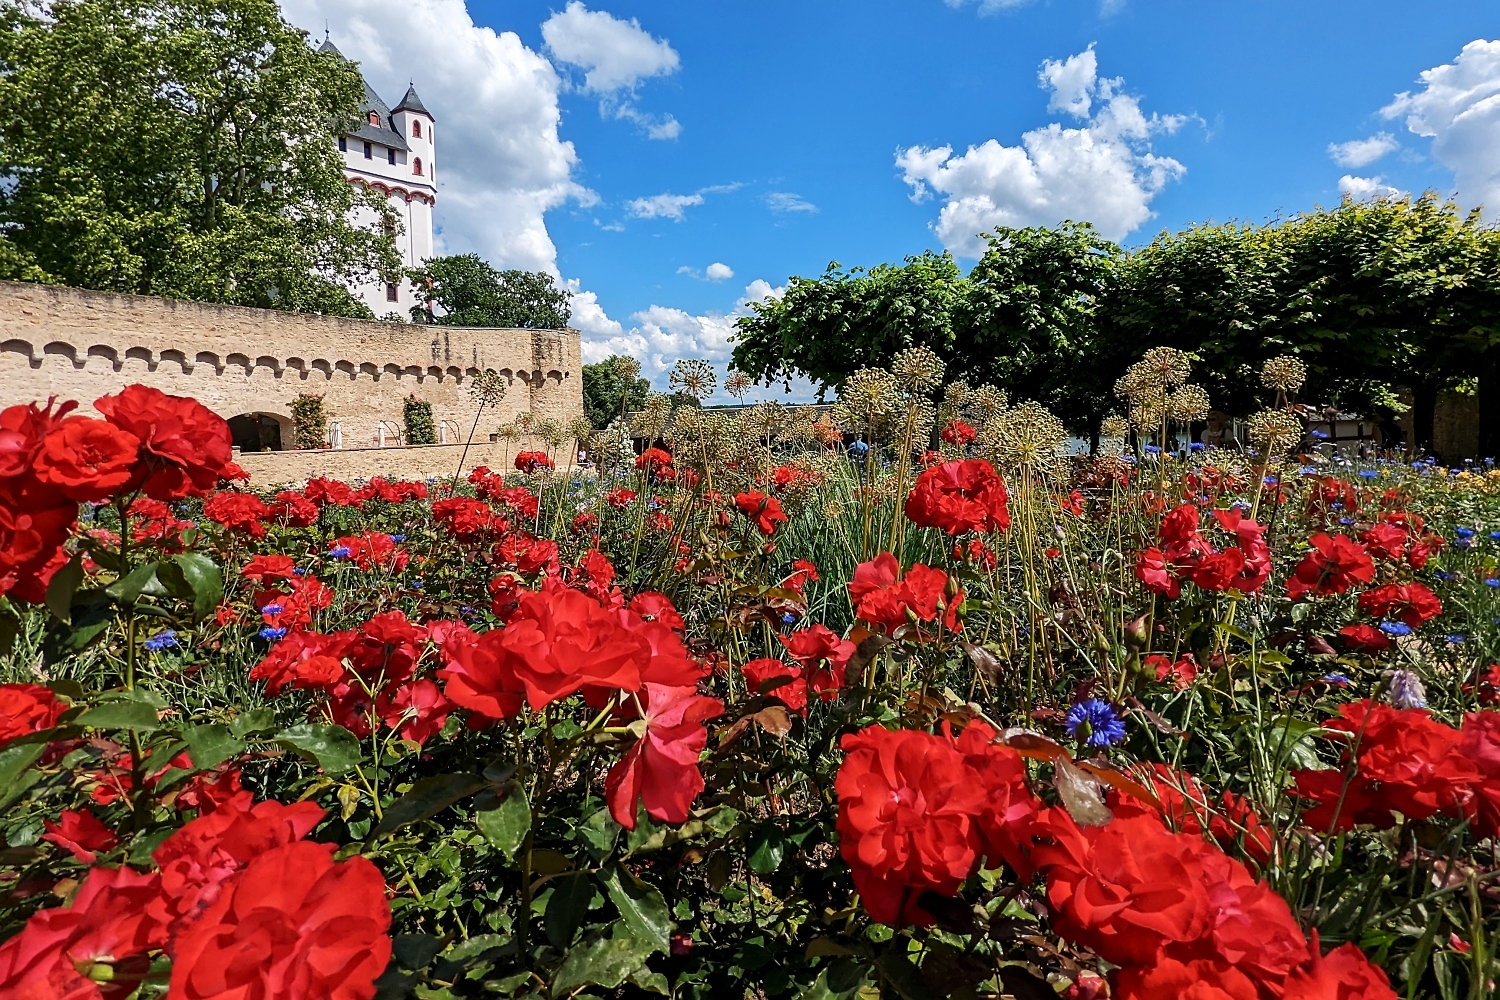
(339,552)
(1093,722)
(1308,470)
(398,539)
(1492,582)
(1320,435)
(1195,446)
(165,639)
(1495,536)
(787,618)
(1338,679)
(1269,480)
(416,584)
(1397,629)
(1336,505)
(1456,640)
(272,609)
(1443,575)
(1153,449)
(1368,473)
(1464,532)
(271,634)
(1346,520)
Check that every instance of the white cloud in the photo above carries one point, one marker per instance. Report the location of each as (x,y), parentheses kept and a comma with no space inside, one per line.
(759,290)
(1365,188)
(786,201)
(1362,152)
(589,318)
(500,163)
(1102,172)
(614,54)
(718,272)
(662,206)
(1458,108)
(988,6)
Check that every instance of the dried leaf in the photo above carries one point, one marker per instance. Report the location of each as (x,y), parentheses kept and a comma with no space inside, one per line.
(1081,795)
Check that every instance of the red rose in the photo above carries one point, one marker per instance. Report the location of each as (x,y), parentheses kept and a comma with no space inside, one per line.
(820,644)
(1386,541)
(779,681)
(238,512)
(1152,570)
(417,710)
(22,430)
(27,709)
(532,461)
(294,925)
(329,491)
(1342,974)
(81,834)
(1334,565)
(619,499)
(765,511)
(958,497)
(653,606)
(1196,979)
(959,433)
(1364,638)
(304,660)
(652,459)
(185,447)
(107,925)
(908,820)
(881,599)
(35,521)
(293,509)
(1412,603)
(661,770)
(87,459)
(269,567)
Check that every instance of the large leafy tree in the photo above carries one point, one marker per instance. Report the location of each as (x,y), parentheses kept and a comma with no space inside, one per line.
(464,290)
(181,148)
(607,392)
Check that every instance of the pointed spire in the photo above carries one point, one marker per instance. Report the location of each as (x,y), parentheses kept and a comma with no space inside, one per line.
(411,102)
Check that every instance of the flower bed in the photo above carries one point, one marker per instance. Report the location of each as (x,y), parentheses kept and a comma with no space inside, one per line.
(749,712)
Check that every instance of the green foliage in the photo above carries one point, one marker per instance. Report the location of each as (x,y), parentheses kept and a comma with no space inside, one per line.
(183,149)
(310,422)
(469,292)
(606,394)
(416,416)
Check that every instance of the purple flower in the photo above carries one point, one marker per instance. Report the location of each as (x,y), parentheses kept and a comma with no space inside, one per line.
(1092,722)
(165,639)
(1404,689)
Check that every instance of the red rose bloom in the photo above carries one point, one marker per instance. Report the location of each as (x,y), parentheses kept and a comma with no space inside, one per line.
(185,447)
(777,680)
(1364,638)
(1334,565)
(238,512)
(881,599)
(532,461)
(1412,603)
(764,510)
(27,709)
(416,710)
(269,567)
(619,499)
(661,770)
(816,645)
(959,433)
(87,459)
(1342,974)
(1386,541)
(294,925)
(81,834)
(958,497)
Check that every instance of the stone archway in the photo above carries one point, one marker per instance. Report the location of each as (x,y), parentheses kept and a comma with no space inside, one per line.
(256,432)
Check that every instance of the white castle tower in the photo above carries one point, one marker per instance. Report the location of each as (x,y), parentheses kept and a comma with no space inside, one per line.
(394,153)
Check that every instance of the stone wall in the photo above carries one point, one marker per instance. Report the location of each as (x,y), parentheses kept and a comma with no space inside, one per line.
(79,344)
(1455,426)
(422,462)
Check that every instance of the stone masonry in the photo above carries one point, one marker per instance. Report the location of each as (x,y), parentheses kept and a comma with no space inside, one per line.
(251,363)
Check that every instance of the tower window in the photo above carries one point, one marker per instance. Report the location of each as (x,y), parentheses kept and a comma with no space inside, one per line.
(416,129)
(368,151)
(416,166)
(343,145)
(390,292)
(375,118)
(391,154)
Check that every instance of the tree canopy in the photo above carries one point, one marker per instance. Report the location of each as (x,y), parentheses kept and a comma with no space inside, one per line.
(1372,295)
(607,391)
(464,290)
(181,148)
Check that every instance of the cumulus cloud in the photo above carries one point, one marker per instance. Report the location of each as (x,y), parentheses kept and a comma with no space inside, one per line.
(1365,188)
(662,206)
(615,56)
(500,162)
(786,201)
(1458,108)
(1102,172)
(1362,152)
(718,272)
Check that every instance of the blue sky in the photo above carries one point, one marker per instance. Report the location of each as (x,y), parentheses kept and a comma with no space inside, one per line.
(630,146)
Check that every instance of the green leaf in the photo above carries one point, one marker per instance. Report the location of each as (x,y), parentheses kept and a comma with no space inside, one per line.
(16,775)
(767,849)
(10,626)
(427,798)
(261,720)
(137,716)
(904,977)
(211,745)
(194,577)
(506,825)
(598,833)
(63,586)
(333,748)
(141,580)
(567,907)
(603,961)
(641,907)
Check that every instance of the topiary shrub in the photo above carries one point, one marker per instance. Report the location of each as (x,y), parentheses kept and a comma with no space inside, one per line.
(310,422)
(417,415)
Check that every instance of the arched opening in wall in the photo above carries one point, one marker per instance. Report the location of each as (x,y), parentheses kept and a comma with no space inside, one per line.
(254,432)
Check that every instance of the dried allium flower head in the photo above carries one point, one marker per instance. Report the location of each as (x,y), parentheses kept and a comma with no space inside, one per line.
(987,401)
(1284,374)
(1188,403)
(526,420)
(1275,431)
(737,384)
(551,432)
(918,370)
(508,431)
(1114,426)
(869,393)
(956,396)
(652,420)
(1027,436)
(799,429)
(1167,366)
(1148,411)
(764,421)
(579,428)
(922,419)
(487,388)
(627,369)
(833,510)
(693,377)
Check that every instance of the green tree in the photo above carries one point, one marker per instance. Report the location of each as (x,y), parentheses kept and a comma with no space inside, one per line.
(465,291)
(606,393)
(181,148)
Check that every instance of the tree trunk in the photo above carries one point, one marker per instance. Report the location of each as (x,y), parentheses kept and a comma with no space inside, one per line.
(1423,410)
(1489,404)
